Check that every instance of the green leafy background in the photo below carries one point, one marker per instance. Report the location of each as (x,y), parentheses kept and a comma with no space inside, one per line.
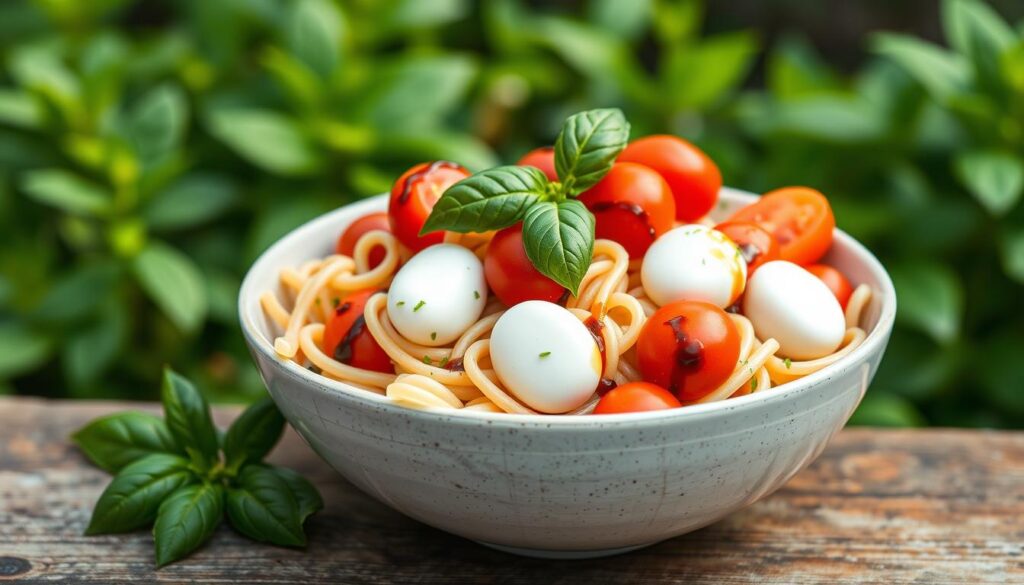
(150,150)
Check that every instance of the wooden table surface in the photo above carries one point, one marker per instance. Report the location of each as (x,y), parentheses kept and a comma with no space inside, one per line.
(879,506)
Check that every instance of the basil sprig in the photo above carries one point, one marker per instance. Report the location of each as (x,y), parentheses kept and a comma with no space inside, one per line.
(558,231)
(179,473)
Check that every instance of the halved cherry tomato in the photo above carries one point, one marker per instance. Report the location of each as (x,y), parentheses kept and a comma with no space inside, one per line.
(800,218)
(413,197)
(543,158)
(835,281)
(347,339)
(688,347)
(693,177)
(756,245)
(633,205)
(636,397)
(511,275)
(350,237)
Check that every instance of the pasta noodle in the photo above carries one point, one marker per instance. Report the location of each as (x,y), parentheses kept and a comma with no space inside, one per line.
(611,301)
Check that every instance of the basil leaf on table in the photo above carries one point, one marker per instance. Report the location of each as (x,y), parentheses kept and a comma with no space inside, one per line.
(186,520)
(188,418)
(306,496)
(253,434)
(114,441)
(559,240)
(489,200)
(261,506)
(587,146)
(133,498)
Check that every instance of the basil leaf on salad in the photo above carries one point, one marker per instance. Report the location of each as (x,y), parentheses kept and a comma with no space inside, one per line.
(114,441)
(587,146)
(489,200)
(131,501)
(262,507)
(186,520)
(559,240)
(253,434)
(188,418)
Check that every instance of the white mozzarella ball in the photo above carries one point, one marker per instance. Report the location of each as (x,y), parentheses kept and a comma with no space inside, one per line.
(791,305)
(437,295)
(545,356)
(694,263)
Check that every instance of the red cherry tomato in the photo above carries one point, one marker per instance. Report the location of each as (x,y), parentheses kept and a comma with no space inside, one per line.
(350,237)
(688,347)
(800,218)
(543,158)
(633,205)
(413,197)
(693,177)
(636,397)
(511,275)
(347,339)
(756,244)
(835,281)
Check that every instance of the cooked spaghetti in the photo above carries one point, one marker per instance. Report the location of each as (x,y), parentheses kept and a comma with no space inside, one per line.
(611,301)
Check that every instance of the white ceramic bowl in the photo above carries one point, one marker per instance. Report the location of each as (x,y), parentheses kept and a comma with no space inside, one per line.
(565,486)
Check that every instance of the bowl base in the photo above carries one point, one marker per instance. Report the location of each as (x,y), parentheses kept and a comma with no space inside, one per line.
(564,555)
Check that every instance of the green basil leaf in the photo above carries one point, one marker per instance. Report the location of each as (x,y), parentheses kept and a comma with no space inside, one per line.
(133,498)
(305,493)
(262,507)
(191,201)
(175,284)
(186,520)
(272,141)
(254,433)
(996,179)
(587,146)
(489,200)
(188,418)
(559,240)
(114,441)
(943,73)
(315,30)
(21,349)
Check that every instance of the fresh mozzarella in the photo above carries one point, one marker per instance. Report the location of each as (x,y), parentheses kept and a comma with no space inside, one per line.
(437,295)
(545,356)
(791,305)
(694,263)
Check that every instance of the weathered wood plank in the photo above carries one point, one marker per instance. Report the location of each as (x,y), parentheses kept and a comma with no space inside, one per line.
(930,506)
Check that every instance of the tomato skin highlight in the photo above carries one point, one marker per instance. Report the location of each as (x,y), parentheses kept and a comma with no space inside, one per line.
(688,347)
(413,197)
(633,205)
(510,274)
(636,397)
(835,281)
(800,218)
(542,158)
(691,175)
(348,239)
(756,245)
(346,328)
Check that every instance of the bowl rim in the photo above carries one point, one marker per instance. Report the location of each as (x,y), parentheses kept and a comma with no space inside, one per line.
(874,342)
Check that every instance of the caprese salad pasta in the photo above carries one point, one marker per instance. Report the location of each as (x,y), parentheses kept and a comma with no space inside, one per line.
(543,288)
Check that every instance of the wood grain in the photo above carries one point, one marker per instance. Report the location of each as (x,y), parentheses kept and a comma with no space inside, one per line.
(879,506)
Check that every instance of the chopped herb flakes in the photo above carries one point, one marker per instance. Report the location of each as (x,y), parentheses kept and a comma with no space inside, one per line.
(476,294)
(335,301)
(443,362)
(788,362)
(753,384)
(418,306)
(545,354)
(433,335)
(426,360)
(399,303)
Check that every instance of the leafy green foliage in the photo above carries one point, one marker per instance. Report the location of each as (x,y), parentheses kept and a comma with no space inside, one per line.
(225,124)
(587,147)
(187,497)
(491,199)
(562,241)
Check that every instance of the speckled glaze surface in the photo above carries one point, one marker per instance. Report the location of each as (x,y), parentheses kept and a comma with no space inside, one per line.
(569,486)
